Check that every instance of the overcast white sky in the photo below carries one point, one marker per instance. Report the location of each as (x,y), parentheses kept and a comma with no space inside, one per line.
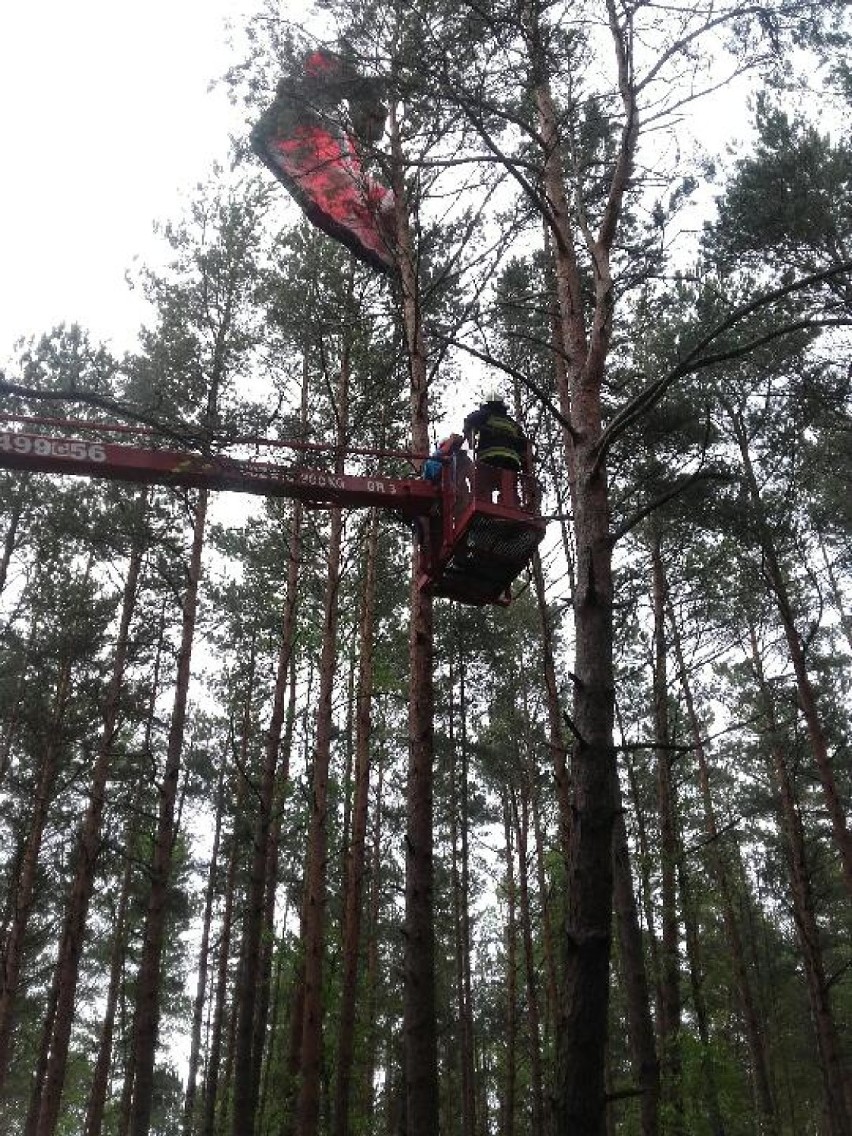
(105,121)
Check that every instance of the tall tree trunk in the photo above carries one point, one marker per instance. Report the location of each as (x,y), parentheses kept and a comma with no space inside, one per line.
(24,889)
(372,973)
(272,856)
(96,1104)
(218,1026)
(804,915)
(203,962)
(277,998)
(462,1096)
(468,1033)
(580,1091)
(421,1040)
(40,1071)
(807,696)
(488,1093)
(348,787)
(640,1024)
(246,1059)
(296,1001)
(558,746)
(767,1114)
(459,869)
(21,498)
(552,981)
(354,874)
(709,1085)
(225,1103)
(308,1103)
(520,817)
(509,1095)
(87,851)
(644,875)
(147,1012)
(129,1068)
(286,651)
(581,1039)
(125,1027)
(669,1024)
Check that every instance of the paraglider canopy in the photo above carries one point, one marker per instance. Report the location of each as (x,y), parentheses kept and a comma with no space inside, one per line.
(301,140)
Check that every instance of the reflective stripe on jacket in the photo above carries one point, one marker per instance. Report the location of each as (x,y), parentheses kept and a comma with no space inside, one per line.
(500,437)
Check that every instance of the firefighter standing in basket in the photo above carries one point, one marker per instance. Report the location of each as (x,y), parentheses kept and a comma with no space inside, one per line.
(495,437)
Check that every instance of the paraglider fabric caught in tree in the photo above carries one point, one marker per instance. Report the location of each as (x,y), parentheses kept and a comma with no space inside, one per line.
(302,141)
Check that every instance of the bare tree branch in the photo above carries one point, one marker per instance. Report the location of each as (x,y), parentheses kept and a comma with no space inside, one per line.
(675,490)
(192,440)
(513,372)
(694,360)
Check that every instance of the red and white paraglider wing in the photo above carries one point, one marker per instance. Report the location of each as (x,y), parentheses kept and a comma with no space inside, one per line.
(317,163)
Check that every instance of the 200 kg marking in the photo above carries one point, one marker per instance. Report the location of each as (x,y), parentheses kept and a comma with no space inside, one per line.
(328,481)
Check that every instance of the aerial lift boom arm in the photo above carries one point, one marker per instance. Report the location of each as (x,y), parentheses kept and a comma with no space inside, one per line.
(40,453)
(478,530)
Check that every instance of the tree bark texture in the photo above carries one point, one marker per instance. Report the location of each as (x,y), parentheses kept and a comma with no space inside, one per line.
(247,1058)
(421,1042)
(88,847)
(24,898)
(807,696)
(356,855)
(669,1023)
(309,1099)
(804,915)
(767,1114)
(148,981)
(191,1093)
(640,1023)
(96,1104)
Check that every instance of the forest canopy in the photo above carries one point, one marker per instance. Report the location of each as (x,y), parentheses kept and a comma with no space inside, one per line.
(290,846)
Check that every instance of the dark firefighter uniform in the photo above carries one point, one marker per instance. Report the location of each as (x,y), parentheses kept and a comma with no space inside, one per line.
(499,439)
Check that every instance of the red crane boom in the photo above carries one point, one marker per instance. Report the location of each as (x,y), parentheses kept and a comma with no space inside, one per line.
(40,453)
(477,529)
